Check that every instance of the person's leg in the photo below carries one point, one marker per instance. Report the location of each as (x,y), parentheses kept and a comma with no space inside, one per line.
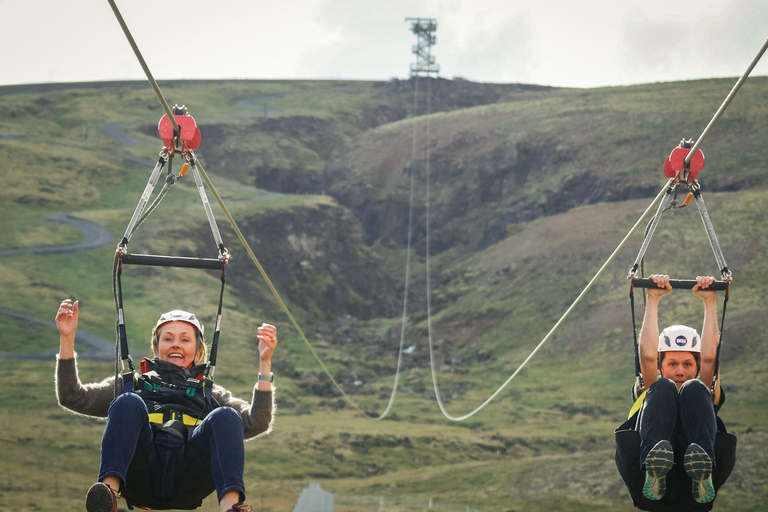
(658,415)
(127,427)
(656,425)
(220,436)
(697,415)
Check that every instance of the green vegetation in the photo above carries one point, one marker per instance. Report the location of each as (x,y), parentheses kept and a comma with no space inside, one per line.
(531,189)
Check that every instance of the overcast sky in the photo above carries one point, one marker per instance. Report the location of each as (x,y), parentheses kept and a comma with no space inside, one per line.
(574,43)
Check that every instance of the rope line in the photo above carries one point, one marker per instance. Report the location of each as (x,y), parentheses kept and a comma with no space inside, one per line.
(199,167)
(407,255)
(549,334)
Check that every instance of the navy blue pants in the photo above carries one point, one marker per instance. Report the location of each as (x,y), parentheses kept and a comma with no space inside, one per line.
(668,414)
(219,438)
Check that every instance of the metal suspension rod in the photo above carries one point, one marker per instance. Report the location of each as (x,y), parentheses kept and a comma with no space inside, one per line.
(144,66)
(207,206)
(145,196)
(711,234)
(654,223)
(726,102)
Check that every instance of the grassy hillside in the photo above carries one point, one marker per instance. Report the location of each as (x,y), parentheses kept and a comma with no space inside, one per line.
(518,229)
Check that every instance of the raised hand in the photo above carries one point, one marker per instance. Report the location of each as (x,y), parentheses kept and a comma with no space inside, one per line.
(700,290)
(267,335)
(663,287)
(66,317)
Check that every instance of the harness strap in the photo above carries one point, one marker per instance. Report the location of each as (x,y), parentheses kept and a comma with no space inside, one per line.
(638,374)
(209,370)
(160,418)
(720,340)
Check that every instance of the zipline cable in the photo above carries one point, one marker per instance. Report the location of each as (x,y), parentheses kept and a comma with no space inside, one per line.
(199,167)
(726,102)
(549,334)
(144,66)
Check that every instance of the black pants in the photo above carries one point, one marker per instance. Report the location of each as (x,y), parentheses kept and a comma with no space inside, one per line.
(667,413)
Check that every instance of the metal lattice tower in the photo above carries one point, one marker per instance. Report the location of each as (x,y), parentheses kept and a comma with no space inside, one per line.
(424,29)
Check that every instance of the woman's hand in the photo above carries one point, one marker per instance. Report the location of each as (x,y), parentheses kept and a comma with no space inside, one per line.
(66,322)
(700,290)
(66,317)
(267,335)
(662,286)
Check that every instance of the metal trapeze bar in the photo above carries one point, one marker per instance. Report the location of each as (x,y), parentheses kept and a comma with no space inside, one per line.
(172,261)
(679,284)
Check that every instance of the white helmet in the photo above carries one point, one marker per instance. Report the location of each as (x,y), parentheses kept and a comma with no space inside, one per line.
(679,338)
(177,315)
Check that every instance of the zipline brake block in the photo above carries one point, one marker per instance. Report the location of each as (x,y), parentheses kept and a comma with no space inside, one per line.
(674,165)
(189,133)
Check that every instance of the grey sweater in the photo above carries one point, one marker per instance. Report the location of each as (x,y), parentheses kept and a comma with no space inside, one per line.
(94,399)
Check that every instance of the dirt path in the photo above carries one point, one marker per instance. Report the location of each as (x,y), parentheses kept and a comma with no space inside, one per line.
(95,237)
(92,347)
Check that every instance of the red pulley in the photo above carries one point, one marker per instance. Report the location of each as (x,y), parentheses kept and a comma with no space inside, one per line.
(188,131)
(676,163)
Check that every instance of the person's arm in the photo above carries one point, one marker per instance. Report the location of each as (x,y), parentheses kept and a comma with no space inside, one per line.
(257,416)
(710,336)
(66,322)
(90,399)
(267,335)
(649,333)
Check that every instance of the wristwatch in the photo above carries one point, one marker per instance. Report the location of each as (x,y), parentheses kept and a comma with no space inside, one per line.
(267,378)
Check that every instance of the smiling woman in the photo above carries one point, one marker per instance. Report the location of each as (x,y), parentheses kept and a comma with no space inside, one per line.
(173,436)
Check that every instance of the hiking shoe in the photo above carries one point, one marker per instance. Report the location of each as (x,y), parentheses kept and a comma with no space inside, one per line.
(101,498)
(698,465)
(657,464)
(240,507)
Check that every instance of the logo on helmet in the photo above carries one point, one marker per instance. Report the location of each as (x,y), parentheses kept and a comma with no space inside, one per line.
(681,341)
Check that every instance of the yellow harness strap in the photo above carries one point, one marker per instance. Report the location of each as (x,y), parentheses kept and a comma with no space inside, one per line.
(158,418)
(635,407)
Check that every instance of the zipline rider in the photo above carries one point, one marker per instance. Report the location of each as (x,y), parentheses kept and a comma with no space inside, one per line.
(676,414)
(166,445)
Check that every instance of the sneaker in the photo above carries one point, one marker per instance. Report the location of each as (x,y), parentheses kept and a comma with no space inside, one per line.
(698,465)
(101,498)
(657,464)
(240,507)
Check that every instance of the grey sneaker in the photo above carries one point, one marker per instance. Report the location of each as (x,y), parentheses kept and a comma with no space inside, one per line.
(101,498)
(698,465)
(657,464)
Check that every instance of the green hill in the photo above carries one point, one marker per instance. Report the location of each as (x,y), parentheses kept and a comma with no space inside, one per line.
(531,188)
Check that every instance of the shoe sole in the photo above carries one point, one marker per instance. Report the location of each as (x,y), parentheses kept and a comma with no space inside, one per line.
(657,464)
(698,465)
(99,499)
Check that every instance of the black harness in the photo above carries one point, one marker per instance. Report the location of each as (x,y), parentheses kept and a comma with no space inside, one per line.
(171,392)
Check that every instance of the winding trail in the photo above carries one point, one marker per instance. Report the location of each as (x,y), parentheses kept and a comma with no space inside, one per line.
(95,347)
(95,235)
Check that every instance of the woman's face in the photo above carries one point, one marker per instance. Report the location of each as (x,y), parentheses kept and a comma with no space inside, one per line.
(177,343)
(678,366)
